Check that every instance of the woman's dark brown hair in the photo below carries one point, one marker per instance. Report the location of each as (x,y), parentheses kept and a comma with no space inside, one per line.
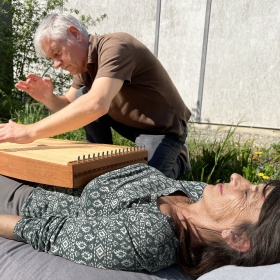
(264,237)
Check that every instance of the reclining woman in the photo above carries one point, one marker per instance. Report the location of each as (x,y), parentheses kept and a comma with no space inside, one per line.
(135,218)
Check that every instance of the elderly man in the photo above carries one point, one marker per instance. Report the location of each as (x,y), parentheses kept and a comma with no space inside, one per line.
(118,83)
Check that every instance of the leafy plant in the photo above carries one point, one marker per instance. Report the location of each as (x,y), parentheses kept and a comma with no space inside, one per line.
(19,21)
(268,162)
(214,161)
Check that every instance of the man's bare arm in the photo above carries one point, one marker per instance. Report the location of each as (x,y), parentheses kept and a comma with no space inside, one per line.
(77,114)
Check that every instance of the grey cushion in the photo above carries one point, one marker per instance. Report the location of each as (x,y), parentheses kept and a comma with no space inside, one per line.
(19,261)
(230,272)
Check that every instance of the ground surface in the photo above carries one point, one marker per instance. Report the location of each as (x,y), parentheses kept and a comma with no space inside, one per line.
(261,137)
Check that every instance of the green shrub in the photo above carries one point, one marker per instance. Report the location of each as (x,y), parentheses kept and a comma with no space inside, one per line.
(214,161)
(18,23)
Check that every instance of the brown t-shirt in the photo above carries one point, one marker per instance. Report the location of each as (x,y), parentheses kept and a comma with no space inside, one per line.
(148,98)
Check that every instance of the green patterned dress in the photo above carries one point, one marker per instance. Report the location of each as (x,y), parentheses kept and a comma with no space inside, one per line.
(114,224)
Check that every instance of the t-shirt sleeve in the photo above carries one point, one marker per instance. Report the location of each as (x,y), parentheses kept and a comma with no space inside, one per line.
(77,82)
(115,59)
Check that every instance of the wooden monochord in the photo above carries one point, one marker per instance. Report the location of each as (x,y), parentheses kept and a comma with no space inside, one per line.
(65,163)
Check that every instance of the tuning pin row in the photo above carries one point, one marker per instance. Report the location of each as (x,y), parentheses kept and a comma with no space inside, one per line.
(115,152)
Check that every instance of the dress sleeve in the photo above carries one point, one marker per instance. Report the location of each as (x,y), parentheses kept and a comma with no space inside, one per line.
(131,240)
(47,203)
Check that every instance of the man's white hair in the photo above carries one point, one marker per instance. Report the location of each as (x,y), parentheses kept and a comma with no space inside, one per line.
(54,26)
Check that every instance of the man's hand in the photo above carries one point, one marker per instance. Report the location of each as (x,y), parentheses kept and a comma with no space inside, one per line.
(15,133)
(41,89)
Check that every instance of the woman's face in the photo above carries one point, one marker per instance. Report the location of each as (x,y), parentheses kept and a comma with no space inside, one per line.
(226,205)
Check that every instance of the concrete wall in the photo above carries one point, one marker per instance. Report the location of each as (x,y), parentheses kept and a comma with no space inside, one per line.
(222,55)
(243,63)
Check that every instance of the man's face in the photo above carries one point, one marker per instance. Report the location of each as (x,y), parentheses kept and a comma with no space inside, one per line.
(69,54)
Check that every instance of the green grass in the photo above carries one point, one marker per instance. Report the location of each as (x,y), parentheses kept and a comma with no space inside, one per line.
(215,161)
(212,161)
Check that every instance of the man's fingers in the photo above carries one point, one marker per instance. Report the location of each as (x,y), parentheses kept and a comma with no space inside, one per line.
(23,86)
(33,76)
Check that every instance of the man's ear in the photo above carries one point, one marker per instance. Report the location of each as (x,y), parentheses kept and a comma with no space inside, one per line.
(74,31)
(238,242)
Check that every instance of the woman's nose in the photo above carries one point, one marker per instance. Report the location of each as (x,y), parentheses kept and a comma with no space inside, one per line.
(239,182)
(234,178)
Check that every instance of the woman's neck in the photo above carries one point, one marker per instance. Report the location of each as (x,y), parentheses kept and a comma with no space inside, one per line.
(180,205)
(173,203)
